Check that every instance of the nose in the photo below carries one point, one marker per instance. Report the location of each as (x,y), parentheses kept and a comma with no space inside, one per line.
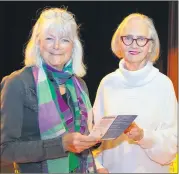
(134,44)
(56,44)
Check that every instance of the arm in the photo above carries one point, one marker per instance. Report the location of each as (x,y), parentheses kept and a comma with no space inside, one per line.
(13,148)
(161,144)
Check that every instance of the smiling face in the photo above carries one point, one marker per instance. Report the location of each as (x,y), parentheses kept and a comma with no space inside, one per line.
(55,48)
(135,28)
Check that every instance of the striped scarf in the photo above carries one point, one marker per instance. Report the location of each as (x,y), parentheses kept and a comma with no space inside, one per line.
(56,118)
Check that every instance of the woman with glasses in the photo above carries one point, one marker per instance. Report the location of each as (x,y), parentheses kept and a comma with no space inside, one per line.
(46,113)
(150,144)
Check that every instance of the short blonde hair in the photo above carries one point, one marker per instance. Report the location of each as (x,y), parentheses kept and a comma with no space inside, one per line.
(64,21)
(154,55)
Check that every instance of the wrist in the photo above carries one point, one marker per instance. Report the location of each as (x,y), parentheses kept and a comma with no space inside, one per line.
(148,140)
(64,143)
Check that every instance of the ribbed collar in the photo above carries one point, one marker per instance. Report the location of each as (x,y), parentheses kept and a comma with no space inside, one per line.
(139,77)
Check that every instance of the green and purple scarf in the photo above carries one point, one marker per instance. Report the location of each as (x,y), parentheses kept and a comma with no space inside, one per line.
(55,117)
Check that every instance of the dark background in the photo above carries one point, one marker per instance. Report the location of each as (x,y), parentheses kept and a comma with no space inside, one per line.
(98,22)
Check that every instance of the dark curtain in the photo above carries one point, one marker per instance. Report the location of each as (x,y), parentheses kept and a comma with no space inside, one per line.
(173,55)
(173,44)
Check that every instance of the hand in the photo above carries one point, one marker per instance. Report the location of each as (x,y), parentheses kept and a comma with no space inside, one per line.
(134,132)
(76,142)
(102,170)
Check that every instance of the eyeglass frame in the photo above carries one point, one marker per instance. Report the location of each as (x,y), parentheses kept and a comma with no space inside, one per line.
(136,41)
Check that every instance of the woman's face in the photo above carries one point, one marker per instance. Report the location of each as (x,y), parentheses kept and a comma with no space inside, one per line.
(55,49)
(133,53)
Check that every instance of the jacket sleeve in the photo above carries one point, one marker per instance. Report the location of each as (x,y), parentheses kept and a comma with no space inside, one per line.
(161,144)
(13,148)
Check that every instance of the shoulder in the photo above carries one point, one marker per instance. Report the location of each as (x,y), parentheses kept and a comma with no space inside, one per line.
(164,86)
(17,78)
(164,80)
(110,79)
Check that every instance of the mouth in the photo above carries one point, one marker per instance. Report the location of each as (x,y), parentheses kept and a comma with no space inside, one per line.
(134,52)
(56,54)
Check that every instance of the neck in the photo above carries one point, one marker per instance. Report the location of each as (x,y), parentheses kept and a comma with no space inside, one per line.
(59,68)
(140,76)
(133,66)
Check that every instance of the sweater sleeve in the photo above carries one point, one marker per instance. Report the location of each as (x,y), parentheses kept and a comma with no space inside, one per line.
(161,144)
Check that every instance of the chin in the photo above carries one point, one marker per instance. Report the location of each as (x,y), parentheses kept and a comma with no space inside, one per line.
(134,59)
(55,63)
(131,60)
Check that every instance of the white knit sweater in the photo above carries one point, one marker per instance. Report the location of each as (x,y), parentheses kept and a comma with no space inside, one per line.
(149,94)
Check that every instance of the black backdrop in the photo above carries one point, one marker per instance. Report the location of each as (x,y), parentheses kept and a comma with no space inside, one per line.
(98,22)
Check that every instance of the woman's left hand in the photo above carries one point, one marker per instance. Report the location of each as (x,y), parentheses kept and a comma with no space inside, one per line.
(134,132)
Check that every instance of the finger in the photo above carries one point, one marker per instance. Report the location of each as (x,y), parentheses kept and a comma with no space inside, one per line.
(130,136)
(91,138)
(126,130)
(87,143)
(132,133)
(134,136)
(137,132)
(127,133)
(83,144)
(135,129)
(75,150)
(132,125)
(86,138)
(79,148)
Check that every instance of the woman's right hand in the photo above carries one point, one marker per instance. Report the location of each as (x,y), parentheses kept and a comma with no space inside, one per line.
(76,142)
